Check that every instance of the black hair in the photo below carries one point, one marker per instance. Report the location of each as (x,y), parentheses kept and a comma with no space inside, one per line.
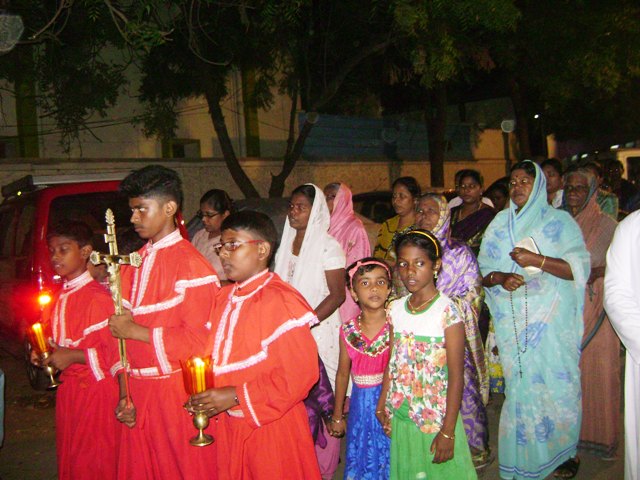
(498,186)
(410,183)
(219,200)
(307,190)
(333,186)
(553,163)
(467,172)
(153,181)
(366,268)
(257,223)
(423,239)
(613,162)
(526,165)
(75,230)
(129,241)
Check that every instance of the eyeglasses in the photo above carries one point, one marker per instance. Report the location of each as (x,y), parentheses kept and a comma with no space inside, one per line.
(523,183)
(232,246)
(201,214)
(577,188)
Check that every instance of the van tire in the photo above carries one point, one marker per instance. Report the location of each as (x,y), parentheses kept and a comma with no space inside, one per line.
(38,378)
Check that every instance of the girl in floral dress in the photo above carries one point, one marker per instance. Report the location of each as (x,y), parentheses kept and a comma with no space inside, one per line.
(420,401)
(364,351)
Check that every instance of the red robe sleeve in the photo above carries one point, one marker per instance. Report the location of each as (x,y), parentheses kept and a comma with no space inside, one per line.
(291,368)
(100,347)
(192,335)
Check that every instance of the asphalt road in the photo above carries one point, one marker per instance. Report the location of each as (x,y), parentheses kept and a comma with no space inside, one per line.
(29,440)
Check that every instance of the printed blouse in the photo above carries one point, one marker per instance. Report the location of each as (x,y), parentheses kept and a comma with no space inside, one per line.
(369,357)
(418,366)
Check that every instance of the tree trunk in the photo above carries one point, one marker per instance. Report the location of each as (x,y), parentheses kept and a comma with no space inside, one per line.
(290,160)
(237,173)
(516,91)
(436,121)
(324,96)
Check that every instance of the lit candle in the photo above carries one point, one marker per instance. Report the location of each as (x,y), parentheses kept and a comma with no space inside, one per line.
(39,338)
(199,367)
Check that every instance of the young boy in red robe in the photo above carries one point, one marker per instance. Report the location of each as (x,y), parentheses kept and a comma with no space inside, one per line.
(85,427)
(265,361)
(169,302)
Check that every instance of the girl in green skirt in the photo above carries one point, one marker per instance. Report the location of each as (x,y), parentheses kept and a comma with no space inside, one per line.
(422,390)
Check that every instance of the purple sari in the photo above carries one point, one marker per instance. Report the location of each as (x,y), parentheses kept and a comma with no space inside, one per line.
(471,228)
(319,404)
(460,280)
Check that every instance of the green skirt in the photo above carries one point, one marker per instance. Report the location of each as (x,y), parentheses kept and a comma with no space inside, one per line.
(411,456)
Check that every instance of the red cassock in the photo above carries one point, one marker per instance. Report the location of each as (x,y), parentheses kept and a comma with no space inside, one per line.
(86,428)
(263,346)
(173,294)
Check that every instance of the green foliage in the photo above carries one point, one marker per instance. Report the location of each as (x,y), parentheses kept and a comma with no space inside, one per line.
(442,39)
(67,63)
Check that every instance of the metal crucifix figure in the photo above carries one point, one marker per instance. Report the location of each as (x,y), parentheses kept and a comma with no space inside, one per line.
(113,261)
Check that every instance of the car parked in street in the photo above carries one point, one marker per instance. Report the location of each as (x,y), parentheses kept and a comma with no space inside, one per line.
(30,206)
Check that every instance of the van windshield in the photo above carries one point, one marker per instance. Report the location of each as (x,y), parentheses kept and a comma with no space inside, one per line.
(90,208)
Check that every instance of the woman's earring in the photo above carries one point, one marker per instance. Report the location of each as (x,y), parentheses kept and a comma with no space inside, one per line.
(435,275)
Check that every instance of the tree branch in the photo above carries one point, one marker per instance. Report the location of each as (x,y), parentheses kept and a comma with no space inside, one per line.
(333,86)
(63,4)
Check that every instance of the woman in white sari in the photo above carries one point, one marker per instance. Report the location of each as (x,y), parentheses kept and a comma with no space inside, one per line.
(313,262)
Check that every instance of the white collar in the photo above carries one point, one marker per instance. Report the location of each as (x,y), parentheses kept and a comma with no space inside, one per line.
(79,281)
(166,241)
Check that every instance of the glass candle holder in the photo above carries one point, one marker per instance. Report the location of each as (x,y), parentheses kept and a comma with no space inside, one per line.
(197,375)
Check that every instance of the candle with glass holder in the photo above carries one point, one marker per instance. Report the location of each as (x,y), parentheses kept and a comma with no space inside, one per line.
(197,374)
(38,341)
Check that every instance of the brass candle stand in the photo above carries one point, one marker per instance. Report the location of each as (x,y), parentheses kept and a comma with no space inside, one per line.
(197,374)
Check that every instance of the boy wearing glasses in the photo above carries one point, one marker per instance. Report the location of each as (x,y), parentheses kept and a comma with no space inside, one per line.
(169,302)
(265,361)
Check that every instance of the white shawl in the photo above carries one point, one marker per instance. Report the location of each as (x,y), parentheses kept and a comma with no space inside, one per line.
(309,277)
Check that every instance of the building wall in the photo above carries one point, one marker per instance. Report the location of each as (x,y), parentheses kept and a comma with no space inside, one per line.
(200,175)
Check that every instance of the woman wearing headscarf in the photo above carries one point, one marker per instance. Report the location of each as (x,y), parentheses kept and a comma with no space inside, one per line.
(535,266)
(600,359)
(350,233)
(313,262)
(460,279)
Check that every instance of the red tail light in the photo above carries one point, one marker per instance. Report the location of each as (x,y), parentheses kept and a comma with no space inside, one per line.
(44,299)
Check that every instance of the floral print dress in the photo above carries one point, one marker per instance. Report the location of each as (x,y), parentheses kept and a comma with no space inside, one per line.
(418,392)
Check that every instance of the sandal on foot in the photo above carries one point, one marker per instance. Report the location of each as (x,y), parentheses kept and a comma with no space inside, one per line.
(568,469)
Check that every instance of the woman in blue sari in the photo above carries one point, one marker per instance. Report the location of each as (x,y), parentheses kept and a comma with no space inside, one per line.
(535,267)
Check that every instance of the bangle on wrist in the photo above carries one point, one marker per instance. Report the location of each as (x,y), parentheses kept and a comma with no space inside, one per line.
(491,278)
(448,437)
(544,259)
(333,420)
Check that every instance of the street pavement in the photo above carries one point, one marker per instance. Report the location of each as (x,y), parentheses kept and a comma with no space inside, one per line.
(29,441)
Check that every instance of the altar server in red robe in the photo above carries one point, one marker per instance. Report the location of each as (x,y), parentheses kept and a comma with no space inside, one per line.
(85,350)
(169,302)
(265,361)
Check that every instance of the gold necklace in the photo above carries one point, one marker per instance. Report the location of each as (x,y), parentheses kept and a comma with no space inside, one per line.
(420,307)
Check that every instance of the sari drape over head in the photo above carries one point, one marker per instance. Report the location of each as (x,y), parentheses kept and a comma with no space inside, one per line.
(600,359)
(319,252)
(538,332)
(350,233)
(460,279)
